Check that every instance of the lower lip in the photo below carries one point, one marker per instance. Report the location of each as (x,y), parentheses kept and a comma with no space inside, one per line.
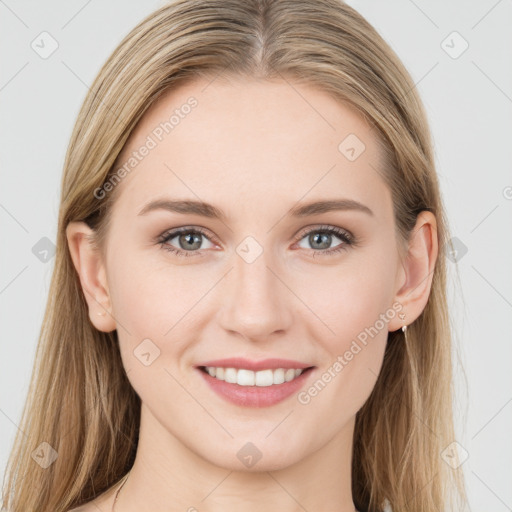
(255,396)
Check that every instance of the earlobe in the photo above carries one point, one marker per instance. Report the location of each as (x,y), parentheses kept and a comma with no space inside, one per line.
(90,267)
(417,269)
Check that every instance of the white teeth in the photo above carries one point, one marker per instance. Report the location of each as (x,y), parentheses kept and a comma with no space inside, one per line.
(244,377)
(263,377)
(279,376)
(230,375)
(289,375)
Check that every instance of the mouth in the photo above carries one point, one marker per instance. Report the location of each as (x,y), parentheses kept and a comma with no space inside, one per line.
(261,378)
(268,384)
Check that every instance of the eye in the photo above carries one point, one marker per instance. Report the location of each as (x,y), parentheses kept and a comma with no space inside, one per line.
(188,238)
(321,238)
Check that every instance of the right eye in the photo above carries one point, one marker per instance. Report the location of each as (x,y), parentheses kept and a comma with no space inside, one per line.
(190,237)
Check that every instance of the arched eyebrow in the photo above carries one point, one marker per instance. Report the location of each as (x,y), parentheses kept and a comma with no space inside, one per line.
(203,209)
(317,207)
(184,206)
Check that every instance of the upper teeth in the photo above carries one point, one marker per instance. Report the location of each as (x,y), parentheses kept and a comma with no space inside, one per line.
(244,377)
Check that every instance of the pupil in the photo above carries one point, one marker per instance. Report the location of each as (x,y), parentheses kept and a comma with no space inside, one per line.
(191,235)
(325,237)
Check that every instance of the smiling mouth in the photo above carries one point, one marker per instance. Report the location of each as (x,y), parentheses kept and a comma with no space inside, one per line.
(261,378)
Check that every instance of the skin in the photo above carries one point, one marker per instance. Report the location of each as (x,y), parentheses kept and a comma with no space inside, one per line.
(254,149)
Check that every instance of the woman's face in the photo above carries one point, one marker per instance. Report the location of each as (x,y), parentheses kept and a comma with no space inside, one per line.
(259,282)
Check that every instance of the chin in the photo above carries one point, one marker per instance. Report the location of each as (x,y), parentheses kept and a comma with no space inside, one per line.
(256,455)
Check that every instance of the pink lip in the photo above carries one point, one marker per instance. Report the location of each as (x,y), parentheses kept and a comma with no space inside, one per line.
(255,396)
(265,364)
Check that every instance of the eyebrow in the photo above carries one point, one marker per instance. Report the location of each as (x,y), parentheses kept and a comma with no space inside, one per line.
(208,210)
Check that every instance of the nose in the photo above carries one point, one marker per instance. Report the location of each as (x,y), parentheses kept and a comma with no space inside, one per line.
(257,304)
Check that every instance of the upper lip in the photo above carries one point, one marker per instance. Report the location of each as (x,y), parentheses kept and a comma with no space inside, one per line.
(247,364)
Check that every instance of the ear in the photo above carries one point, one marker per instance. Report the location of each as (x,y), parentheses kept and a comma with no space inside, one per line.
(414,279)
(88,263)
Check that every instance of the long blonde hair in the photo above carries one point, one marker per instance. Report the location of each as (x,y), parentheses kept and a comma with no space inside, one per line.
(80,401)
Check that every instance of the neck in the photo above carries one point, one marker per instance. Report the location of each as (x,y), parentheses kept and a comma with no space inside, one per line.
(167,475)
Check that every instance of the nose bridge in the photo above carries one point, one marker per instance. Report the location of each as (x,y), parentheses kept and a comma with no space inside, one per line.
(256,306)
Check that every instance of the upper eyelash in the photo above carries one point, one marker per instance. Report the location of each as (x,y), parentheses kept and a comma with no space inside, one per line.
(173,232)
(169,235)
(347,238)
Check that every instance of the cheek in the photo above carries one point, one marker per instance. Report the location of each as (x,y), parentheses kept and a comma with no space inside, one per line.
(151,307)
(350,299)
(354,308)
(149,296)
(160,302)
(357,311)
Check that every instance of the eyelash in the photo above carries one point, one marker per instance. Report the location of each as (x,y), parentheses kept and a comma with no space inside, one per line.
(347,239)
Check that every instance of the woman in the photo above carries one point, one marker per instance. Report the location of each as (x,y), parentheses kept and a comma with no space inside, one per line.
(289,348)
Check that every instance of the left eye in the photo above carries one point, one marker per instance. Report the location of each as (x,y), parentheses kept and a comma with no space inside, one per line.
(190,239)
(323,237)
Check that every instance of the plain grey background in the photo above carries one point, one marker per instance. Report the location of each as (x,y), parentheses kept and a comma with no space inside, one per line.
(460,56)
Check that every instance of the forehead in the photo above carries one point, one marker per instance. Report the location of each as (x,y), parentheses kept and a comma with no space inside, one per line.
(232,139)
